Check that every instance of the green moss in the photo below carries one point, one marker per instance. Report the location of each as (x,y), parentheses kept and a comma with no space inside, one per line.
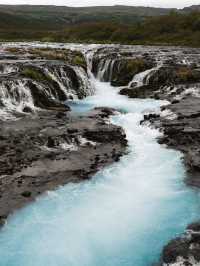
(135,65)
(126,70)
(71,57)
(14,50)
(50,54)
(35,74)
(79,60)
(185,74)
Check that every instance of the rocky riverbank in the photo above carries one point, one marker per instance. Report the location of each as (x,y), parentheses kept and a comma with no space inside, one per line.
(44,149)
(42,144)
(171,74)
(40,152)
(180,123)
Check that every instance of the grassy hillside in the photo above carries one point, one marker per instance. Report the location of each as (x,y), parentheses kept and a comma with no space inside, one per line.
(57,17)
(120,24)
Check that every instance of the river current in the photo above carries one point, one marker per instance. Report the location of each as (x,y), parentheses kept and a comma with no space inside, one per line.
(123,216)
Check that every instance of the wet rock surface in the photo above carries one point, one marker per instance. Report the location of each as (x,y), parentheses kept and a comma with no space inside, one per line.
(40,152)
(184,250)
(41,78)
(180,123)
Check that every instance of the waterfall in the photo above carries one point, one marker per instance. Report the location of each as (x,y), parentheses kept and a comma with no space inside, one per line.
(142,78)
(62,82)
(14,96)
(123,216)
(8,69)
(84,81)
(105,69)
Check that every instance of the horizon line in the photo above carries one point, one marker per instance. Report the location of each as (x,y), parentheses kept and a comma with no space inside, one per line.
(145,6)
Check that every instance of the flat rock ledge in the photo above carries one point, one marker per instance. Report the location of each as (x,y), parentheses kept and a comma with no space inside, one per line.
(40,152)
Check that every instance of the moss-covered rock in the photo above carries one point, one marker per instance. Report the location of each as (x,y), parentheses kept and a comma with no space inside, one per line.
(187,74)
(68,56)
(79,60)
(124,70)
(35,73)
(144,91)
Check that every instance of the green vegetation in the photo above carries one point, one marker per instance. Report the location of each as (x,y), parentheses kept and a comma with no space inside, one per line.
(35,74)
(72,57)
(79,60)
(126,69)
(118,24)
(50,54)
(175,28)
(185,74)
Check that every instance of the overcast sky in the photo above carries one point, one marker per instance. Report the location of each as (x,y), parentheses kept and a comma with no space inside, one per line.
(156,3)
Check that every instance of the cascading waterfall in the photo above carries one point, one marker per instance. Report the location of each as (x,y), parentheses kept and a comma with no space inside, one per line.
(105,69)
(84,81)
(143,77)
(17,93)
(62,80)
(122,217)
(8,69)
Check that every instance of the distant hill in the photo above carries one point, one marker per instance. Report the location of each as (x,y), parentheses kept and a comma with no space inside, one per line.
(191,8)
(57,17)
(107,24)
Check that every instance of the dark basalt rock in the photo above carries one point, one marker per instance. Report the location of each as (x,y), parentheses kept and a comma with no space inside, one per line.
(186,247)
(145,91)
(183,132)
(124,70)
(27,109)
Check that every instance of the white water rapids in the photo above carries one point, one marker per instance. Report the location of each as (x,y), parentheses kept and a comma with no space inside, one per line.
(122,217)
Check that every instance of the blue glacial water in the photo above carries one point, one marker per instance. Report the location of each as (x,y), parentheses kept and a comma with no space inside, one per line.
(122,217)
